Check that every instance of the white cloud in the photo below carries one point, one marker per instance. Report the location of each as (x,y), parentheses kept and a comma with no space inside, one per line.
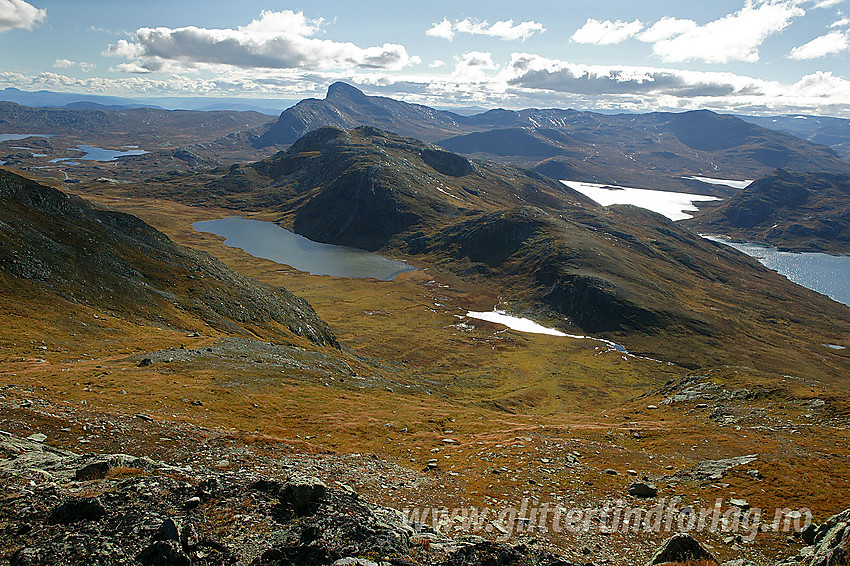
(443,30)
(840,23)
(471,67)
(665,28)
(277,40)
(833,42)
(606,32)
(828,3)
(437,63)
(504,29)
(19,14)
(736,37)
(67,63)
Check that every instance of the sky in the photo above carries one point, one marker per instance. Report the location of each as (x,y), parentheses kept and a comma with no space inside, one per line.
(741,56)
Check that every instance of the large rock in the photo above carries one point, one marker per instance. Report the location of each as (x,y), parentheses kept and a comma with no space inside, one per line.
(832,541)
(301,492)
(77,510)
(714,469)
(164,553)
(681,547)
(641,489)
(167,531)
(498,554)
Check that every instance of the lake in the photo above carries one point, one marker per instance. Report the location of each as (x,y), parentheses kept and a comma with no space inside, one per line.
(675,206)
(92,153)
(269,241)
(16,137)
(824,273)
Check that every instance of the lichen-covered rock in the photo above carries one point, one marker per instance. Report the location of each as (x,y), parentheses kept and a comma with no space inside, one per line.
(302,492)
(832,541)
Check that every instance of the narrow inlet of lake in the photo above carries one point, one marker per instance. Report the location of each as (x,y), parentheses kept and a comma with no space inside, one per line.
(827,274)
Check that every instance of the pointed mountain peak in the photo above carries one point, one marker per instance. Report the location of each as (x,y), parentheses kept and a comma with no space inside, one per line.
(340,89)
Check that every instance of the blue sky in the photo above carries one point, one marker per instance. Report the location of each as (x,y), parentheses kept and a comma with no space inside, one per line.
(756,56)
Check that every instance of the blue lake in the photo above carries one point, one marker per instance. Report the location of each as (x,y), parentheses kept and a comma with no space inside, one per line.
(824,273)
(92,153)
(16,137)
(269,241)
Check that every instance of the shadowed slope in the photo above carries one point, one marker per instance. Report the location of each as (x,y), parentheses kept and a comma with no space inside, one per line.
(52,244)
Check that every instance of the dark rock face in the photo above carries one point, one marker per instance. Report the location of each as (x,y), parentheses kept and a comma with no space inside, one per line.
(681,547)
(301,493)
(640,489)
(370,216)
(164,553)
(78,510)
(167,531)
(447,163)
(94,471)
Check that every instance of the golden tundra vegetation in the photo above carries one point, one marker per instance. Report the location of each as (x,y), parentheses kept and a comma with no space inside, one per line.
(502,412)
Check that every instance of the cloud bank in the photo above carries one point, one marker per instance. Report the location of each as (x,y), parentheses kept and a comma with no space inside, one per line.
(831,43)
(505,30)
(277,40)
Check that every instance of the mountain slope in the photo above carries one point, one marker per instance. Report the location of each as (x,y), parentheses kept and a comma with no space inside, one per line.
(791,210)
(62,250)
(347,107)
(618,270)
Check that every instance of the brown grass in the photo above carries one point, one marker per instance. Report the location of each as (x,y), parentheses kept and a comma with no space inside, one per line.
(121,472)
(563,395)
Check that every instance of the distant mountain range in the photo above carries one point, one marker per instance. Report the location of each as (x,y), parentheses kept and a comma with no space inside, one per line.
(45,98)
(654,150)
(151,127)
(834,132)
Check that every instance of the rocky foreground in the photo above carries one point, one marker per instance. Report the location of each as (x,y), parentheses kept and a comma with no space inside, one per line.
(59,507)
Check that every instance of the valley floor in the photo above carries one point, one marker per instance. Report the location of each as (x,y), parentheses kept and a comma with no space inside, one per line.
(426,410)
